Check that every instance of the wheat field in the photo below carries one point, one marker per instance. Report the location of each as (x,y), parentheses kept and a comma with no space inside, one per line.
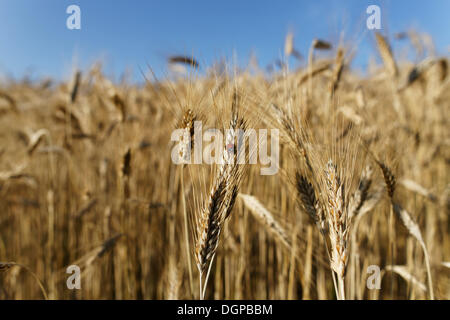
(87,179)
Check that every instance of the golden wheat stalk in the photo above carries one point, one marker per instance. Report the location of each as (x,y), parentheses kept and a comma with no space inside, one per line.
(173,280)
(187,124)
(414,230)
(358,198)
(417,188)
(338,227)
(295,139)
(289,44)
(386,55)
(4,266)
(337,72)
(75,88)
(390,182)
(403,272)
(319,45)
(266,218)
(184,60)
(219,204)
(312,206)
(309,201)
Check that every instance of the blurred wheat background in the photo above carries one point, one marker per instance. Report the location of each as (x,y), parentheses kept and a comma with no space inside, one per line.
(86,178)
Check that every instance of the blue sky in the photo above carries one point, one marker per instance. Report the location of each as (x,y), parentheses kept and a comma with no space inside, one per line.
(131,34)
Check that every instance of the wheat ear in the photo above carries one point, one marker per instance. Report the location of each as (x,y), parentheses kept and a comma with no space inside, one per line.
(266,218)
(390,182)
(337,224)
(311,205)
(359,197)
(403,272)
(220,202)
(309,201)
(414,230)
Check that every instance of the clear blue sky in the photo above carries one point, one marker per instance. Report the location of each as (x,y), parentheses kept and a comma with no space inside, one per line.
(130,34)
